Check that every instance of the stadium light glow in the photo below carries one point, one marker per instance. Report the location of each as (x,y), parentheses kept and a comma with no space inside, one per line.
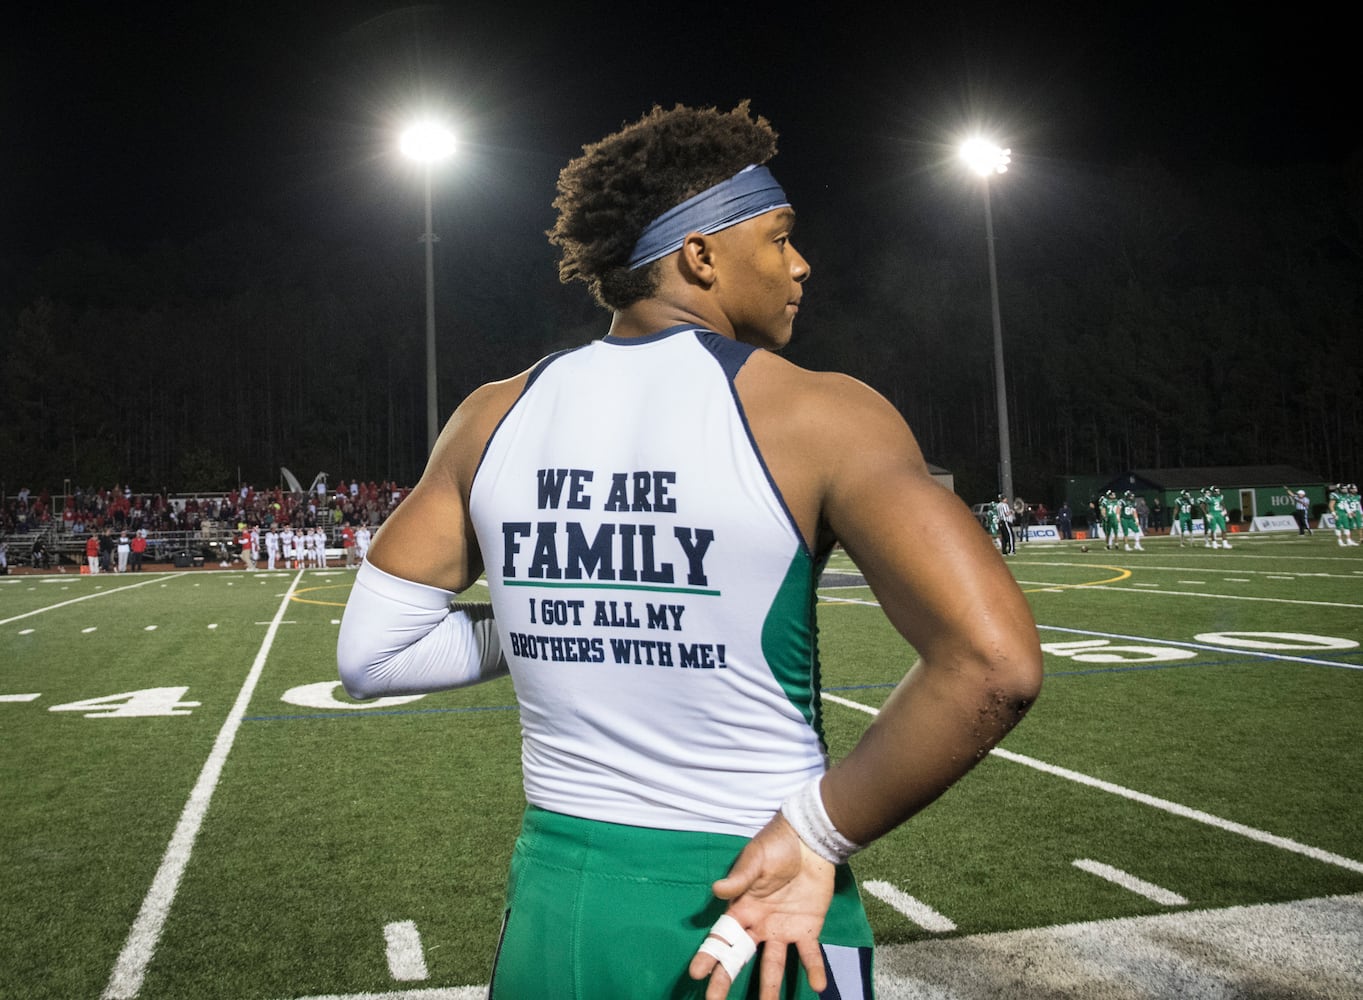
(984,158)
(987,160)
(428,143)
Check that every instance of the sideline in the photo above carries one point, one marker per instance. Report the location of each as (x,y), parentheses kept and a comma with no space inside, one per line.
(1307,948)
(102,593)
(125,982)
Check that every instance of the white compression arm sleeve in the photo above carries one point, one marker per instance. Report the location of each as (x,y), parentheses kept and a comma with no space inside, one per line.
(400,637)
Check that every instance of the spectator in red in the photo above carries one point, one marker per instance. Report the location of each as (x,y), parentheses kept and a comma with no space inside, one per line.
(92,553)
(248,552)
(348,544)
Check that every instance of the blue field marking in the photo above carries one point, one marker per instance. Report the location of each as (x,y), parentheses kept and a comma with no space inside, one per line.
(1126,668)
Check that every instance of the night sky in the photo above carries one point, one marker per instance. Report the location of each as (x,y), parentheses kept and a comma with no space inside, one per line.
(132,123)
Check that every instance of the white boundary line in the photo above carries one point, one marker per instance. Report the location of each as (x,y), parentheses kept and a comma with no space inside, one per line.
(1197,815)
(126,979)
(158,578)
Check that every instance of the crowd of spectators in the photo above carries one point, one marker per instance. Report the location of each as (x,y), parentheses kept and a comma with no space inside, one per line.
(93,511)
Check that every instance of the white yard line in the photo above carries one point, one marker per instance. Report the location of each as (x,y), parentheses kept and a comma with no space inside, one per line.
(87,597)
(406,961)
(1129,882)
(916,910)
(126,980)
(1197,815)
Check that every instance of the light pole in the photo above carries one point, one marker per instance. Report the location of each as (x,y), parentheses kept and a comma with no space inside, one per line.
(986,159)
(428,143)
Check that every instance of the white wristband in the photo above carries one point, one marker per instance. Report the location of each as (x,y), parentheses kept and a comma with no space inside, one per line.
(805,812)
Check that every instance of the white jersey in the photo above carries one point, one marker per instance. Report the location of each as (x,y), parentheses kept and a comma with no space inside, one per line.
(654,596)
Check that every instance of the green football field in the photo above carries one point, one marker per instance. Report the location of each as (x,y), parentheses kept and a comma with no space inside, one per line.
(190,809)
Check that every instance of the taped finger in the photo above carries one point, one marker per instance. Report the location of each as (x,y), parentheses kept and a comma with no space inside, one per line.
(729,944)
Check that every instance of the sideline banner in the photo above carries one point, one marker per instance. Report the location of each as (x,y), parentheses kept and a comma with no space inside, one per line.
(1277,522)
(1037,533)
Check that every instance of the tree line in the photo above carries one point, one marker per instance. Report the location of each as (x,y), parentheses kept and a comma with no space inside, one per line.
(1150,319)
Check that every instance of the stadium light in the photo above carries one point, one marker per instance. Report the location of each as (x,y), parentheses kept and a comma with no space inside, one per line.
(988,160)
(428,143)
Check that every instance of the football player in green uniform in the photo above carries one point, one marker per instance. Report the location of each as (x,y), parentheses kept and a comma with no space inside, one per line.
(1184,505)
(1343,503)
(1214,515)
(1130,522)
(991,524)
(1109,505)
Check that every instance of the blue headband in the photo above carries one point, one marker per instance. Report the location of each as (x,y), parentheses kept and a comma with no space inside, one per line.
(747,194)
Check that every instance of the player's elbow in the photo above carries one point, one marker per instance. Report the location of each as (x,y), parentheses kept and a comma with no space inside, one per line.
(357,673)
(1012,671)
(355,686)
(1004,667)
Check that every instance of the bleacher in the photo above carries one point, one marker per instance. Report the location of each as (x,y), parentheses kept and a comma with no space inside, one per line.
(19,544)
(68,548)
(211,542)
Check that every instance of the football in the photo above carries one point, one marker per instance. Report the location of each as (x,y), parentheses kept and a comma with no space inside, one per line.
(1083,548)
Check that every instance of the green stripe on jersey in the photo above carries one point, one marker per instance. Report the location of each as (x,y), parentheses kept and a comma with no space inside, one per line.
(790,639)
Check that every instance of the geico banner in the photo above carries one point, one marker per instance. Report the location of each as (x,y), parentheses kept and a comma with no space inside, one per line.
(1276,522)
(1037,533)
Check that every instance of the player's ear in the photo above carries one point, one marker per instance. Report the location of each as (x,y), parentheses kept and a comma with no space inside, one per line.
(696,259)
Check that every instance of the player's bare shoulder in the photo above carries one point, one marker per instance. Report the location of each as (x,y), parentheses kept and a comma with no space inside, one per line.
(466,433)
(491,400)
(825,412)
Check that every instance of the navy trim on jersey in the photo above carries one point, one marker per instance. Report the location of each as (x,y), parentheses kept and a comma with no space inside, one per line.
(651,338)
(861,989)
(731,356)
